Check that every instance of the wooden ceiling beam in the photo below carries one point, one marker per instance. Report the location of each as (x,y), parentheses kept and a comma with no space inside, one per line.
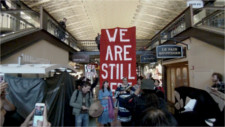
(154,24)
(153,16)
(64,8)
(39,2)
(159,8)
(76,28)
(81,21)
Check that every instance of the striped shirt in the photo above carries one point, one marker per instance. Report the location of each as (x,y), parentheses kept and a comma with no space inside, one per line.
(123,114)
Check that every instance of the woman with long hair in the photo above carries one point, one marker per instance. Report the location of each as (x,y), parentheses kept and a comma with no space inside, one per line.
(105,97)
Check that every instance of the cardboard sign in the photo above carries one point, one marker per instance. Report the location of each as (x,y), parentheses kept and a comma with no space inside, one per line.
(169,51)
(118,56)
(90,71)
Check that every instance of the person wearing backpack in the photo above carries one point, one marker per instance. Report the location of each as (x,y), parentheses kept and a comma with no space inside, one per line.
(81,100)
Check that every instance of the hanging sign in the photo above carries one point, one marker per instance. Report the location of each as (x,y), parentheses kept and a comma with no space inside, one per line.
(195,3)
(148,58)
(169,51)
(118,56)
(80,58)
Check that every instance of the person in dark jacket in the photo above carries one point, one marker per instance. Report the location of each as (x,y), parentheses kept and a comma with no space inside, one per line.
(204,108)
(217,79)
(97,40)
(156,117)
(148,98)
(62,32)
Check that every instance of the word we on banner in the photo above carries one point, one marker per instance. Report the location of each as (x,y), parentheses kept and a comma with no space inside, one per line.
(118,56)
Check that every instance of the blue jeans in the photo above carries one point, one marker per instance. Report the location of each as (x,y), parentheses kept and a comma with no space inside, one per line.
(82,120)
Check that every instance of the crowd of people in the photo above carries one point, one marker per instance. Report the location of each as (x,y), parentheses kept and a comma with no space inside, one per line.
(142,104)
(132,102)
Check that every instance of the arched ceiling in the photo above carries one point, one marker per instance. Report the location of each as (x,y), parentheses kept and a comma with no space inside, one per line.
(86,18)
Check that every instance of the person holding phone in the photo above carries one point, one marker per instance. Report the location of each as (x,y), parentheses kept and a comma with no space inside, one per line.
(32,121)
(81,100)
(5,105)
(38,114)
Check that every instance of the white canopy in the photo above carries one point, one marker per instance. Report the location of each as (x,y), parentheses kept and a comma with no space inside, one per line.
(33,68)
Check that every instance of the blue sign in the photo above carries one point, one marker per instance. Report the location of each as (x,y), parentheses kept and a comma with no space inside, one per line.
(148,58)
(169,51)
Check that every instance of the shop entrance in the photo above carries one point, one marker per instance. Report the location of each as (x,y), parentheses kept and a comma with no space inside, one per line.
(176,75)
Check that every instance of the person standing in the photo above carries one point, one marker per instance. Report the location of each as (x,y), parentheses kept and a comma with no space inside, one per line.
(122,92)
(138,85)
(81,100)
(97,40)
(62,32)
(217,79)
(143,98)
(158,87)
(104,95)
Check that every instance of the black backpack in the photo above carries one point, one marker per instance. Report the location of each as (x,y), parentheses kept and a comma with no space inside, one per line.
(88,98)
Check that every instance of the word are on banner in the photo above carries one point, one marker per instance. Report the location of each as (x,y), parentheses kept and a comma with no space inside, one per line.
(118,56)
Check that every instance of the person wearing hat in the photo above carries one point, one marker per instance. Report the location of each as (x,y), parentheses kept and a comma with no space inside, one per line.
(148,98)
(81,100)
(104,95)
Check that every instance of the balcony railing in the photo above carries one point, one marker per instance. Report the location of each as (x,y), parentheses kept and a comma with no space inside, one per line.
(17,18)
(14,21)
(21,18)
(51,25)
(212,17)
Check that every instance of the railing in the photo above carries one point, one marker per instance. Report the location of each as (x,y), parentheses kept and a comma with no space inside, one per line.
(51,25)
(210,17)
(176,26)
(17,4)
(18,17)
(19,20)
(206,17)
